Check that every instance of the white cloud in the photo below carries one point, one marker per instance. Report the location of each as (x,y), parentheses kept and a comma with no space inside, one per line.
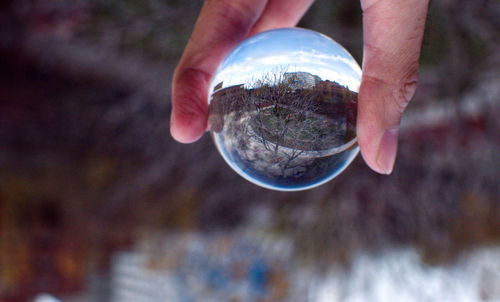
(342,69)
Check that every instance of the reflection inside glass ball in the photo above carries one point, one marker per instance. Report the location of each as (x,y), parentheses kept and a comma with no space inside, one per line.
(282,109)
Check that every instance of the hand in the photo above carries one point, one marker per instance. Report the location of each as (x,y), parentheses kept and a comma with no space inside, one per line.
(393,31)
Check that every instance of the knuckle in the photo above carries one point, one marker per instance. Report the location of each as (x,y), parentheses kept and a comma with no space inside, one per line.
(406,87)
(236,17)
(401,96)
(396,92)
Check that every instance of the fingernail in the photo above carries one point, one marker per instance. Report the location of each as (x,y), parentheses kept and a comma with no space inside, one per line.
(387,151)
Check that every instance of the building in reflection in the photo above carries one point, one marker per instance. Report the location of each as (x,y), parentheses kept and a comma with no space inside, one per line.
(301,79)
(297,91)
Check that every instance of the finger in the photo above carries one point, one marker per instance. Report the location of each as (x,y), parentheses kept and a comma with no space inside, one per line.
(393,31)
(221,25)
(281,13)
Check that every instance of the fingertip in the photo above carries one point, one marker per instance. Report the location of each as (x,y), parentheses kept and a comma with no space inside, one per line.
(187,129)
(379,115)
(368,148)
(379,149)
(378,145)
(189,104)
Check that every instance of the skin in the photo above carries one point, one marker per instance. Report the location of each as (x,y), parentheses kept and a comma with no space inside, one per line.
(392,38)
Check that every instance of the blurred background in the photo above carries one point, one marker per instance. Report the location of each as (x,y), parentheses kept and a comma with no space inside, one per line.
(98,203)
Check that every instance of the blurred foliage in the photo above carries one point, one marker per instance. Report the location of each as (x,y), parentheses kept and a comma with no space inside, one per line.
(156,29)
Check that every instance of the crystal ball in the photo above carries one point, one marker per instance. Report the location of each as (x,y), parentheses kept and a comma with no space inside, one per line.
(282,109)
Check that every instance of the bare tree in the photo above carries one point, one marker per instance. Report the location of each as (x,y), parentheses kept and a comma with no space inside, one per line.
(282,118)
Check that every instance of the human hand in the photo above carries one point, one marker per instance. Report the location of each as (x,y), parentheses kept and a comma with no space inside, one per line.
(393,31)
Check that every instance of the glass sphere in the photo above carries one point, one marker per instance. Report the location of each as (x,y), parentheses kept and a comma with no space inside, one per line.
(282,109)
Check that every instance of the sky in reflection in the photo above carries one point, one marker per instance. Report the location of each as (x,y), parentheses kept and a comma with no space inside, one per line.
(298,49)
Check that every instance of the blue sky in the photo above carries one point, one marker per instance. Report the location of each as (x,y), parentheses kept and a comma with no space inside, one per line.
(292,49)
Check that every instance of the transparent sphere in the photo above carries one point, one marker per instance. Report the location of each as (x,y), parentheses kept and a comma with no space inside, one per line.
(282,109)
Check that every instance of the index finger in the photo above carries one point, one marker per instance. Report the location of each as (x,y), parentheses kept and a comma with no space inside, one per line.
(220,26)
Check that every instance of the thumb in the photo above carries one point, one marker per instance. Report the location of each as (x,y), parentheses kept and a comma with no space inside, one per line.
(393,32)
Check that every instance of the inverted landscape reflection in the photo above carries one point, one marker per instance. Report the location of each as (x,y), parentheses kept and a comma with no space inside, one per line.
(282,109)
